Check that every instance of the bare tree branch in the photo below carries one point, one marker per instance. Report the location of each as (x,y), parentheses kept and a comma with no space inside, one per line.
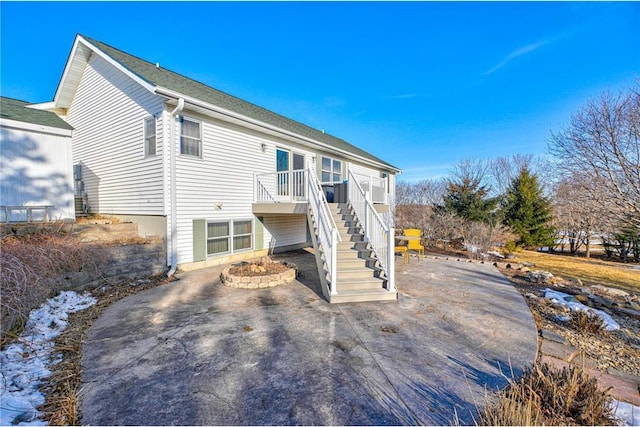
(601,143)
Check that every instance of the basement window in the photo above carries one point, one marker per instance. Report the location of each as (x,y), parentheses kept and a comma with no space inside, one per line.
(241,235)
(229,236)
(218,236)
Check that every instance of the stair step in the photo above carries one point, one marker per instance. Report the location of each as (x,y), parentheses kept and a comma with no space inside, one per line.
(351,237)
(362,274)
(364,296)
(346,246)
(350,254)
(360,262)
(359,283)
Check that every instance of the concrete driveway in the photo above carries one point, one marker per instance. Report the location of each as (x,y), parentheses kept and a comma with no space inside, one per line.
(196,352)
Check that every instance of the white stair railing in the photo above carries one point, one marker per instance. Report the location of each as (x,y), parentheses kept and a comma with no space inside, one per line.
(379,235)
(327,232)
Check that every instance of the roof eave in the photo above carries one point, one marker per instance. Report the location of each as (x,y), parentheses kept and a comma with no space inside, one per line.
(75,66)
(229,115)
(22,125)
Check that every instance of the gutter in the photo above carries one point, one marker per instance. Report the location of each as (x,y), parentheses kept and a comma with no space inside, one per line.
(174,208)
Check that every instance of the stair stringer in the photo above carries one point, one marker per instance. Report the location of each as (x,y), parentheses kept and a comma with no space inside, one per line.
(320,264)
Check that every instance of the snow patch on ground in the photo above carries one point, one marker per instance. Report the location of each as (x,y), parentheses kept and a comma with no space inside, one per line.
(25,363)
(573,304)
(627,414)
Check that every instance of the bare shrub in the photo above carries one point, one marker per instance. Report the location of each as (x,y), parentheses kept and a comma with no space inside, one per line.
(548,396)
(34,267)
(481,237)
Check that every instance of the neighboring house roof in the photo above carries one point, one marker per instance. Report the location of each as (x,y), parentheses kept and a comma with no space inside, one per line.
(14,109)
(161,77)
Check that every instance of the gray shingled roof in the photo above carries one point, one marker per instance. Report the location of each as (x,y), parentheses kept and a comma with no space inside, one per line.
(169,80)
(14,109)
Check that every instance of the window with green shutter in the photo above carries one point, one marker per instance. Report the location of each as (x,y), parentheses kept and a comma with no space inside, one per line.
(229,236)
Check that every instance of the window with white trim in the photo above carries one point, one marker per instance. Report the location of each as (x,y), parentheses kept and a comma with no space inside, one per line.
(190,137)
(241,235)
(229,236)
(218,236)
(150,136)
(331,171)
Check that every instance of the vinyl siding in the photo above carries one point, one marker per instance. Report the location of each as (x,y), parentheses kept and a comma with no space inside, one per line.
(35,169)
(285,230)
(364,170)
(107,113)
(220,185)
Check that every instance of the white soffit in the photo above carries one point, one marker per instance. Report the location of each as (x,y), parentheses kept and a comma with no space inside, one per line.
(72,74)
(80,55)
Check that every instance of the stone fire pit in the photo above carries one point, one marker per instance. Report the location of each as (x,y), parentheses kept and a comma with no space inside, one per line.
(262,273)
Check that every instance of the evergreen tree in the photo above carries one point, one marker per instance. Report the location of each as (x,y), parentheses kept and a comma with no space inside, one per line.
(527,212)
(469,199)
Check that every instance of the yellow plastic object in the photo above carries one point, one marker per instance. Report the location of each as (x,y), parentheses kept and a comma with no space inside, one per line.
(404,251)
(414,245)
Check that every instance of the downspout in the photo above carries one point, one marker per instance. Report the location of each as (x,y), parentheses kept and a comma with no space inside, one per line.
(174,208)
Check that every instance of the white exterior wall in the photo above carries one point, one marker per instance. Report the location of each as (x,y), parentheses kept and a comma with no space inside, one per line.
(285,230)
(36,169)
(220,185)
(107,113)
(364,170)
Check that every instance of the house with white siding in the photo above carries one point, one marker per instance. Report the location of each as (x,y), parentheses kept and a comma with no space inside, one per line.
(222,179)
(36,172)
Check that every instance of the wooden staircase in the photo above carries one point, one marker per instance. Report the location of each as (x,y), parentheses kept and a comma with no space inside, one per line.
(358,278)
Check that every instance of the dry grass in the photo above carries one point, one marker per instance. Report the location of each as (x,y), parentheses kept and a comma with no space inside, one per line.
(586,322)
(547,396)
(91,219)
(34,267)
(590,271)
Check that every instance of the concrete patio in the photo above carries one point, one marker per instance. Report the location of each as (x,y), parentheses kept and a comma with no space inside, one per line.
(196,352)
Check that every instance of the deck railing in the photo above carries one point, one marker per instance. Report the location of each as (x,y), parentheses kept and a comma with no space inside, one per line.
(289,186)
(376,186)
(379,235)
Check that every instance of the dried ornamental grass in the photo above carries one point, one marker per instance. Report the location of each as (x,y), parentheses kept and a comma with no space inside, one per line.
(586,322)
(547,396)
(34,267)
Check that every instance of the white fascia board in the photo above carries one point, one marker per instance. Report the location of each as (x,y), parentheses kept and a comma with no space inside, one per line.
(46,106)
(234,117)
(148,86)
(15,124)
(49,106)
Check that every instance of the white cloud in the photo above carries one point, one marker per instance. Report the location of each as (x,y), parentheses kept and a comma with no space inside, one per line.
(516,53)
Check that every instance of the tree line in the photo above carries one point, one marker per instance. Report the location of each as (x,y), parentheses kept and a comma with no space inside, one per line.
(586,190)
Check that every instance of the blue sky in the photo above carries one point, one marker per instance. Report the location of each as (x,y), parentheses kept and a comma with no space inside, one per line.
(420,84)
